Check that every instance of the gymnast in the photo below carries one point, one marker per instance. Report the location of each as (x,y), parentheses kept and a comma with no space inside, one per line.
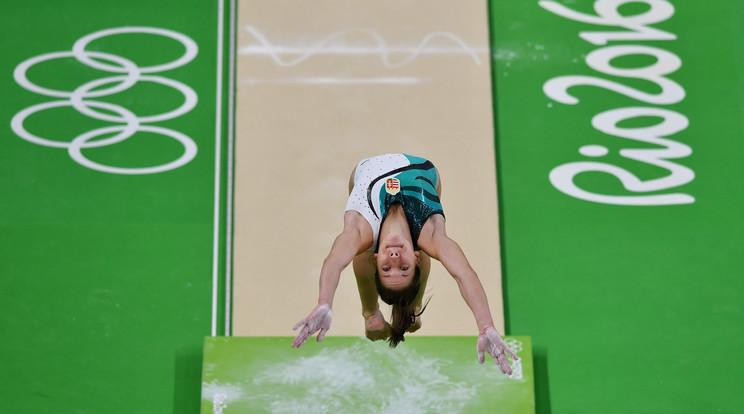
(393,224)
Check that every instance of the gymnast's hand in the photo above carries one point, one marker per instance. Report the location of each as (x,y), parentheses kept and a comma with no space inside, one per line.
(376,327)
(490,341)
(319,319)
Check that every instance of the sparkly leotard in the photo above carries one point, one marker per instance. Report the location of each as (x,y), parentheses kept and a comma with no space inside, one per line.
(381,181)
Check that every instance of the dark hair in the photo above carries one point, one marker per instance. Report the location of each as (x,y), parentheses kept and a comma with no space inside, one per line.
(404,313)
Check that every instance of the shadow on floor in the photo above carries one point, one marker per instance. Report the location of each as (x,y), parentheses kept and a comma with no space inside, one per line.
(542,388)
(187,381)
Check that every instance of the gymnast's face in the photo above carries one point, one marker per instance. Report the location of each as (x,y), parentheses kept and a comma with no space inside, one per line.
(396,263)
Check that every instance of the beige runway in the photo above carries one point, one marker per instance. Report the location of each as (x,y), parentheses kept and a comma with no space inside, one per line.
(323,84)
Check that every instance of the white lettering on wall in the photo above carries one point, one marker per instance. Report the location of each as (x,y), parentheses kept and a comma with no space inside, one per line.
(599,60)
(562,177)
(665,63)
(608,15)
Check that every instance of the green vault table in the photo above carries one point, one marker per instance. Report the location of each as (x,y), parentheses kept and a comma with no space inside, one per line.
(353,375)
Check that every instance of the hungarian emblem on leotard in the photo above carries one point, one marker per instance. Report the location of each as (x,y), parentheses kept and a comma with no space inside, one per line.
(392,186)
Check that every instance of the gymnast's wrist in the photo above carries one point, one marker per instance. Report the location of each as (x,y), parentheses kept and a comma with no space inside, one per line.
(485,328)
(366,314)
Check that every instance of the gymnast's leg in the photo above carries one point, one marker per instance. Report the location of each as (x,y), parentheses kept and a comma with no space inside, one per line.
(375,326)
(425,266)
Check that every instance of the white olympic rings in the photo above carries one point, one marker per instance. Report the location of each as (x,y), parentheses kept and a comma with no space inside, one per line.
(128,74)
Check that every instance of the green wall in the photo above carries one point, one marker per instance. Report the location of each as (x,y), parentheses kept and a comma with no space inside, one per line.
(106,278)
(631,307)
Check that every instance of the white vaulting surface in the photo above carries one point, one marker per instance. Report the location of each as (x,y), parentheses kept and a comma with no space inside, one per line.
(324,84)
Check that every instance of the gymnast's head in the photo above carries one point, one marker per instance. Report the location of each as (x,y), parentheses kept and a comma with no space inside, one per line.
(398,281)
(396,262)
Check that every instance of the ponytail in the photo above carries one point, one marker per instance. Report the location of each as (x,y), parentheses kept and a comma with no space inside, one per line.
(404,312)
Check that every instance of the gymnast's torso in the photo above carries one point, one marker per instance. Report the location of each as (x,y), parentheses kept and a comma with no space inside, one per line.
(381,181)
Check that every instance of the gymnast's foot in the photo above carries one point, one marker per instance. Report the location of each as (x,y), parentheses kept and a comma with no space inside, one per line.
(375,327)
(415,326)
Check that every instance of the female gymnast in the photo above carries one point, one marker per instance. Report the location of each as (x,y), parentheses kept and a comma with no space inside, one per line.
(393,224)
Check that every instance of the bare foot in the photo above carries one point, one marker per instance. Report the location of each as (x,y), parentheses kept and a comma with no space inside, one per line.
(376,328)
(415,326)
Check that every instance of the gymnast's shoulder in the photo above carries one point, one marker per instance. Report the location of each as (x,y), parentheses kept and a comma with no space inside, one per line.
(433,231)
(355,223)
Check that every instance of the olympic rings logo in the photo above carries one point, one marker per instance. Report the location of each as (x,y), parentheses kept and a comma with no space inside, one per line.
(81,99)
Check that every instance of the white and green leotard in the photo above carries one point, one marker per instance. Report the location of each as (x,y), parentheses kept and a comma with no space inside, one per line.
(395,178)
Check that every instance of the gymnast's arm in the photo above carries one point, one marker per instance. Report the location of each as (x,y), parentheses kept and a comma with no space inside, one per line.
(435,242)
(354,239)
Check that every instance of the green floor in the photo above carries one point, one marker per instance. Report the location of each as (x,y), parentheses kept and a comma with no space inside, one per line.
(106,279)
